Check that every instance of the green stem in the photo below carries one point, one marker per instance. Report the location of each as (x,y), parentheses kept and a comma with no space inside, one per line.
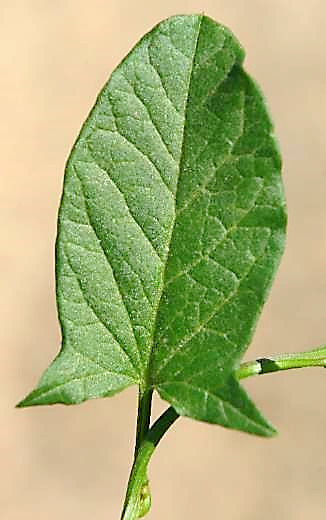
(143,422)
(311,358)
(148,438)
(144,416)
(138,473)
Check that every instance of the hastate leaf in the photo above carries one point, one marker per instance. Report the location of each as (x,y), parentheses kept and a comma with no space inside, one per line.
(170,229)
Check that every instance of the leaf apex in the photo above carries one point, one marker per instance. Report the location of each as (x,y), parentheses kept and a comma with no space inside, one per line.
(32,399)
(24,403)
(268,431)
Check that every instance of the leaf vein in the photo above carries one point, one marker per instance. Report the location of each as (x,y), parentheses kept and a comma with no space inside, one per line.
(100,319)
(114,277)
(160,77)
(125,202)
(137,96)
(141,152)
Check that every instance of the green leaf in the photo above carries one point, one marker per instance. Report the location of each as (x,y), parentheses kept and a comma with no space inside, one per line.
(170,230)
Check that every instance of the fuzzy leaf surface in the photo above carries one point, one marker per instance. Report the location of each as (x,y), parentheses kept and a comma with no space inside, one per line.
(170,229)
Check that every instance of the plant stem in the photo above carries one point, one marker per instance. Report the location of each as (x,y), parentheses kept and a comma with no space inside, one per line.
(148,438)
(139,469)
(311,358)
(144,416)
(143,422)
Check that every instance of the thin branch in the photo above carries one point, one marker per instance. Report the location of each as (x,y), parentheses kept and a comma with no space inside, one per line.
(312,358)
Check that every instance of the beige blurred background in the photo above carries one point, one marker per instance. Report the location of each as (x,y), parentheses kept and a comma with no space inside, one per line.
(73,462)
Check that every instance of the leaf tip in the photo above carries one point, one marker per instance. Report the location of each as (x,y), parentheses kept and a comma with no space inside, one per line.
(264,427)
(27,401)
(38,396)
(270,432)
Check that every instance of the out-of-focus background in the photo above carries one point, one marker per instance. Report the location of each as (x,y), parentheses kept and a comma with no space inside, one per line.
(73,462)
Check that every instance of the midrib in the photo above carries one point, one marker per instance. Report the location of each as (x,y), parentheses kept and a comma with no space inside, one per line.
(147,378)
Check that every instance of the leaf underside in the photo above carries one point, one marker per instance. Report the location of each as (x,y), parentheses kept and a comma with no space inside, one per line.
(170,230)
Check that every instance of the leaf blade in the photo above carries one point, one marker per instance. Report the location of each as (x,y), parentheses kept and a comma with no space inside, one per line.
(171,225)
